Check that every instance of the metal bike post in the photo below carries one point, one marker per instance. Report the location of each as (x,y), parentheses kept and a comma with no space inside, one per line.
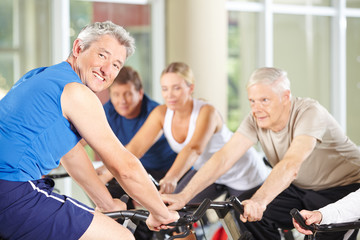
(228,221)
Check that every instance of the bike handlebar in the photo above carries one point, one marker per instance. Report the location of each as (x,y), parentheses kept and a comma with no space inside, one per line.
(187,220)
(333,227)
(236,204)
(64,175)
(233,202)
(299,218)
(134,215)
(142,215)
(198,211)
(192,218)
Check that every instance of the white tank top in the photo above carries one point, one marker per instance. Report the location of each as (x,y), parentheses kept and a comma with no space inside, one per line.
(248,172)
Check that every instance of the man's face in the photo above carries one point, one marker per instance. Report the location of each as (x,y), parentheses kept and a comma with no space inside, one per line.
(126,99)
(268,107)
(99,64)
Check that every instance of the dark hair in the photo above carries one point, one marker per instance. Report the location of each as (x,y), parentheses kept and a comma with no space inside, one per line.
(129,75)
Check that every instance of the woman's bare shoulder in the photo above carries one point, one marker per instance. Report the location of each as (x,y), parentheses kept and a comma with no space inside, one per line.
(160,110)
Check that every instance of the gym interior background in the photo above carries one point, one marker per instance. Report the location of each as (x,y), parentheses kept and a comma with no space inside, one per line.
(316,41)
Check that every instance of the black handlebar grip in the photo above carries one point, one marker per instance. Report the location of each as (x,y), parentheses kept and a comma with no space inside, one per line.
(301,221)
(237,204)
(197,214)
(156,183)
(201,209)
(124,198)
(133,215)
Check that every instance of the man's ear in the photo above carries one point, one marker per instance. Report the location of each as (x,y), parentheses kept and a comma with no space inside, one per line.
(286,95)
(141,93)
(76,47)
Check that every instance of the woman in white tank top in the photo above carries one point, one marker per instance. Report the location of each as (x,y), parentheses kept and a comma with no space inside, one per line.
(195,130)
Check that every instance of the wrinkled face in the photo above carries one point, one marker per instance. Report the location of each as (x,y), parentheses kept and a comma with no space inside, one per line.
(99,64)
(268,107)
(175,91)
(126,99)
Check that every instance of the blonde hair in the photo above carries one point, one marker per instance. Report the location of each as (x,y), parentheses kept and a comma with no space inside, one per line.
(181,69)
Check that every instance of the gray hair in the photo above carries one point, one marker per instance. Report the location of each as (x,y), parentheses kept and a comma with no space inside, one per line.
(274,77)
(94,31)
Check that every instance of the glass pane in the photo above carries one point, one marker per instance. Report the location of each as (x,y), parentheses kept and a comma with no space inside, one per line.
(6,20)
(134,18)
(302,48)
(40,55)
(245,0)
(305,2)
(6,46)
(242,60)
(353,80)
(6,73)
(81,14)
(353,3)
(24,38)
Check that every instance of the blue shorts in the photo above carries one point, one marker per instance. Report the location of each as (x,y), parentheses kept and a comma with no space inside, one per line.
(30,210)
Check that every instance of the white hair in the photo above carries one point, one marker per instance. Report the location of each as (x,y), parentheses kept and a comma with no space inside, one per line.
(274,77)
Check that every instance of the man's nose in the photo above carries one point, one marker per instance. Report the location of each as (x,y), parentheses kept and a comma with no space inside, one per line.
(256,106)
(106,68)
(122,99)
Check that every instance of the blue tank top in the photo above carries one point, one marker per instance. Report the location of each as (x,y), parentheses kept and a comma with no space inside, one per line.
(34,134)
(160,156)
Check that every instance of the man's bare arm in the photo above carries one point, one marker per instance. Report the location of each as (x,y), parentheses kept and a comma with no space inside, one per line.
(280,177)
(80,168)
(85,112)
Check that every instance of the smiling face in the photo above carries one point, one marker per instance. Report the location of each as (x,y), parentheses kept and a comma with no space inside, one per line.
(126,99)
(270,109)
(175,91)
(98,65)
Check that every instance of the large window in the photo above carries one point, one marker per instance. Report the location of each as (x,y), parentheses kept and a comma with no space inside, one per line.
(353,79)
(8,48)
(25,39)
(315,41)
(134,18)
(29,36)
(302,47)
(243,58)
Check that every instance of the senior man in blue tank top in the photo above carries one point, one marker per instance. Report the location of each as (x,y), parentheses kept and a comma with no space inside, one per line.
(42,119)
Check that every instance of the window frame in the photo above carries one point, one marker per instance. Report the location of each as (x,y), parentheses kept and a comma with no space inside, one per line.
(61,46)
(338,12)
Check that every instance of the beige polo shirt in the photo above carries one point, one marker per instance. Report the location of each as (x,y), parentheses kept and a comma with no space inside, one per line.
(335,161)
